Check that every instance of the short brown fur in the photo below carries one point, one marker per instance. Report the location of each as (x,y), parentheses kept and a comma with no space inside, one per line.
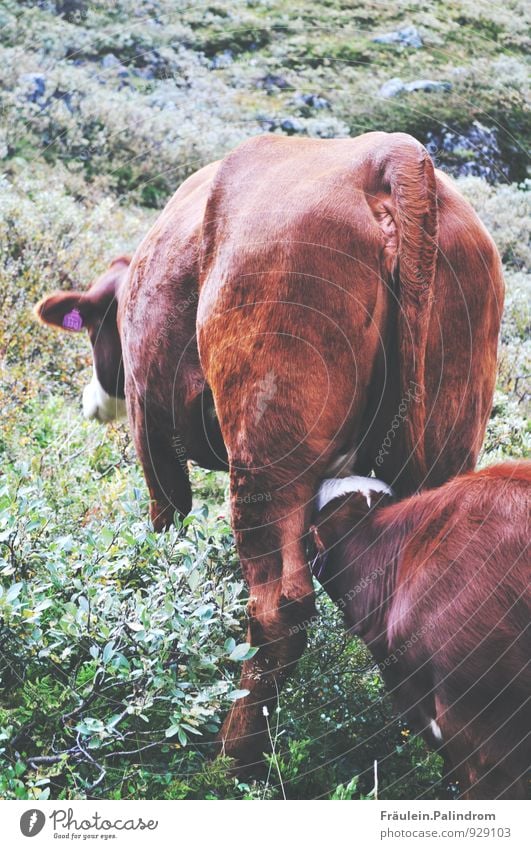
(438,587)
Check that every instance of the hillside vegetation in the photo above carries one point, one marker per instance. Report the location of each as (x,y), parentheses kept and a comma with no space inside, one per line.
(120,649)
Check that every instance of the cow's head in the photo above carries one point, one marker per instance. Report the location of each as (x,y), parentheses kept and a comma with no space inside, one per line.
(345,508)
(95,311)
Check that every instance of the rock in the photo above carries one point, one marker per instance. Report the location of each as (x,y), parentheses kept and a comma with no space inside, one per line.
(272,81)
(475,151)
(110,61)
(144,73)
(222,60)
(290,126)
(155,62)
(267,123)
(112,64)
(35,86)
(392,87)
(407,36)
(313,101)
(396,86)
(428,85)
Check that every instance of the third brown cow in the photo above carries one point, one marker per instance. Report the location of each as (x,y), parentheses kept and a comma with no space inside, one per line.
(438,587)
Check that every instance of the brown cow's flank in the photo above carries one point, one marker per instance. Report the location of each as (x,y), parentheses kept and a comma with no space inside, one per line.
(170,407)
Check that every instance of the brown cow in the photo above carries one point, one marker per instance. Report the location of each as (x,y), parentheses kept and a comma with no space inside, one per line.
(141,314)
(438,587)
(170,407)
(348,318)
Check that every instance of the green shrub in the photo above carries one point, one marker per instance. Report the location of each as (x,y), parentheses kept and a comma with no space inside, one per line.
(115,640)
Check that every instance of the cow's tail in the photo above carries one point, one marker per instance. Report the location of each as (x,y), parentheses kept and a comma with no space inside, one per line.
(408,171)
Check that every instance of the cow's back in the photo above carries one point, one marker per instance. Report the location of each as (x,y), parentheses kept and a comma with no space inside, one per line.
(292,287)
(293,273)
(158,312)
(161,301)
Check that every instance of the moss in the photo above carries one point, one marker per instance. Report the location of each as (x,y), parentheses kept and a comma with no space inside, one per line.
(238,39)
(486,26)
(324,51)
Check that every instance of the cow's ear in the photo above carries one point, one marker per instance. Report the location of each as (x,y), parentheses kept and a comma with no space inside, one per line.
(68,311)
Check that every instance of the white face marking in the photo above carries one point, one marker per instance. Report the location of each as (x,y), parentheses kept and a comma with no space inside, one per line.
(97,404)
(335,487)
(436,731)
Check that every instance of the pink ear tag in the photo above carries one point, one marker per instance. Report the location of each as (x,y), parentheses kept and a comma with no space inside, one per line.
(73,320)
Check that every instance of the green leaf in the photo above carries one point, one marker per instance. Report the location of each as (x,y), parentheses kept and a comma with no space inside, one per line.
(14,591)
(108,652)
(205,612)
(230,644)
(238,694)
(243,651)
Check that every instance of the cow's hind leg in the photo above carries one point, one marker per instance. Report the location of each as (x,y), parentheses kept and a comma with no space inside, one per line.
(281,607)
(163,458)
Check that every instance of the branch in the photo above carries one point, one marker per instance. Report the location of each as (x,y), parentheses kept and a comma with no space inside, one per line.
(44,760)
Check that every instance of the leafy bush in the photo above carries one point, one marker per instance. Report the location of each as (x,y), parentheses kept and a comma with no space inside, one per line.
(55,235)
(115,640)
(505,211)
